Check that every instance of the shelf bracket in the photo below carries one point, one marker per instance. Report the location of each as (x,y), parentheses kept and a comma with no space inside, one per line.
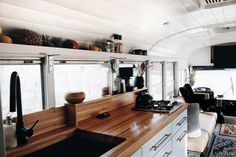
(48,92)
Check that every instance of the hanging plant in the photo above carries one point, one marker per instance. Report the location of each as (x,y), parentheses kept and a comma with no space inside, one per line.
(191,76)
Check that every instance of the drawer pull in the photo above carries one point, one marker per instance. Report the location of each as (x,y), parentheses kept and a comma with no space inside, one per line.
(160,142)
(182,136)
(167,154)
(181,121)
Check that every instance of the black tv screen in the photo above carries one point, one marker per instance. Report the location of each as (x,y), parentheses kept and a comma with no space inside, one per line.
(224,56)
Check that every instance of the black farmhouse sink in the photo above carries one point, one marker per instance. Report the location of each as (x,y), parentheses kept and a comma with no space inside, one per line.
(81,144)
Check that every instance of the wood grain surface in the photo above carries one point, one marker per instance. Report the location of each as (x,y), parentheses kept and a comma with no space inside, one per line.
(82,111)
(57,124)
(51,128)
(137,127)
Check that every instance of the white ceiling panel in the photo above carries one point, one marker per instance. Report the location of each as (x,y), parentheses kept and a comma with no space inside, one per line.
(141,23)
(229,12)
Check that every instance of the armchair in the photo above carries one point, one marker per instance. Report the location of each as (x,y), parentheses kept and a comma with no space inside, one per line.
(191,97)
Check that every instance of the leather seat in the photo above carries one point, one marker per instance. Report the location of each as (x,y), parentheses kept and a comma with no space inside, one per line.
(191,97)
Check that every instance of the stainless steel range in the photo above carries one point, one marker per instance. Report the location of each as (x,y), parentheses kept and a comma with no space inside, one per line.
(159,106)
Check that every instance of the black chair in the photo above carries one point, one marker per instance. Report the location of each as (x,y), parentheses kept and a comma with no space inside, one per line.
(191,97)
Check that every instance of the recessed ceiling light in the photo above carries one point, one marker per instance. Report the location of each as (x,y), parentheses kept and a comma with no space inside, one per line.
(166,23)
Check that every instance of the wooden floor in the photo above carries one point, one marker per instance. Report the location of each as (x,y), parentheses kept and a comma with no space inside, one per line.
(228,120)
(197,154)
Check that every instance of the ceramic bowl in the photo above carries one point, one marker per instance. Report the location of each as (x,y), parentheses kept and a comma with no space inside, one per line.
(75,97)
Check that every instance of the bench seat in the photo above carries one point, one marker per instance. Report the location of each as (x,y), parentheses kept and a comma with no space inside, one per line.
(207,124)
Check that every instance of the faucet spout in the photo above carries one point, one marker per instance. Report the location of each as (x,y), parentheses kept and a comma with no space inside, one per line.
(16,105)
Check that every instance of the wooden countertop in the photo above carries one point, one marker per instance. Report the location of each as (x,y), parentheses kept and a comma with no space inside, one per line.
(137,127)
(57,124)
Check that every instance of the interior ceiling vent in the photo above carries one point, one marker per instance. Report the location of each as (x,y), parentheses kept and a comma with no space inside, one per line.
(224,29)
(207,4)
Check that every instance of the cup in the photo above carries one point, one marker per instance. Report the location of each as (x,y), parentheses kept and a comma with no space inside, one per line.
(106,91)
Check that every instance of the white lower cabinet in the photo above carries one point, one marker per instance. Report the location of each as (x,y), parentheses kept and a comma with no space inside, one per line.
(138,153)
(166,151)
(156,143)
(171,141)
(179,142)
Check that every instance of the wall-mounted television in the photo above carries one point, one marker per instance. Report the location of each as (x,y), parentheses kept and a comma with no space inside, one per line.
(224,56)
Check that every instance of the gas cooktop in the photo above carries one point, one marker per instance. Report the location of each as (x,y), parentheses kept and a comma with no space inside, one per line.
(161,106)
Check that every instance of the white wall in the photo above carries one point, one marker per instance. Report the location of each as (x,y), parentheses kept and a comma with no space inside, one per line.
(201,56)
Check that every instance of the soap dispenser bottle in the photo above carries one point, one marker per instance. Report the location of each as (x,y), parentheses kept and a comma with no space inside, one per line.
(10,132)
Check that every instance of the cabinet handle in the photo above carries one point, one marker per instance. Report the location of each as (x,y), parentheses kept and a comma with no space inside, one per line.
(182,136)
(181,121)
(167,154)
(160,142)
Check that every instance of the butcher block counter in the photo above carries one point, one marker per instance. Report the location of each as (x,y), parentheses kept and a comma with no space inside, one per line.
(136,127)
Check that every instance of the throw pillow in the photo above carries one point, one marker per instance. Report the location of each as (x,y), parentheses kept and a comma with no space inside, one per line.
(194,129)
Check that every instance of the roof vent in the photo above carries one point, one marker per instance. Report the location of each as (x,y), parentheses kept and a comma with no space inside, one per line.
(225,29)
(207,4)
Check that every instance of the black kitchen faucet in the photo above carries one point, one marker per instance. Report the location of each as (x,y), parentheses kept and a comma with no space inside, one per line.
(15,103)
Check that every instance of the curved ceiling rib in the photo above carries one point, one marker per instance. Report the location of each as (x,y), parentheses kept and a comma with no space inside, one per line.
(193,30)
(141,23)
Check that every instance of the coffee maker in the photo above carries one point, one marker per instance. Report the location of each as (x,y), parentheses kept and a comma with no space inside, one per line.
(126,73)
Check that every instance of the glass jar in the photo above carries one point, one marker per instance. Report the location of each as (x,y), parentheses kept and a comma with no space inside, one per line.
(108,46)
(118,45)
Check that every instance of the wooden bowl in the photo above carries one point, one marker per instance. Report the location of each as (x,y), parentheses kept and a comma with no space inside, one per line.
(75,97)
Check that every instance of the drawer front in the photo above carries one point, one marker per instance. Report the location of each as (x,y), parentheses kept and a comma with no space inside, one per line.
(157,142)
(180,121)
(166,151)
(179,141)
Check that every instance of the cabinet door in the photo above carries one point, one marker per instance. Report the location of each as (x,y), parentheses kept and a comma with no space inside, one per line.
(138,153)
(156,143)
(179,142)
(165,151)
(179,122)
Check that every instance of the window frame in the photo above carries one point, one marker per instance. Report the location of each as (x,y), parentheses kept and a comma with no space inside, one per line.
(47,73)
(79,62)
(24,61)
(162,73)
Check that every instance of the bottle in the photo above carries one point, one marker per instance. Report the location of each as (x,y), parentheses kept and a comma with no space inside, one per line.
(108,46)
(114,83)
(10,132)
(115,74)
(118,84)
(123,86)
(109,80)
(120,45)
(117,42)
(112,47)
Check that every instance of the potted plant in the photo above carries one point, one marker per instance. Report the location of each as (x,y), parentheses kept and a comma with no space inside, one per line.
(139,79)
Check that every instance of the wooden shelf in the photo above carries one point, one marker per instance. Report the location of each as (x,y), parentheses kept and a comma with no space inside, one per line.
(17,50)
(29,51)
